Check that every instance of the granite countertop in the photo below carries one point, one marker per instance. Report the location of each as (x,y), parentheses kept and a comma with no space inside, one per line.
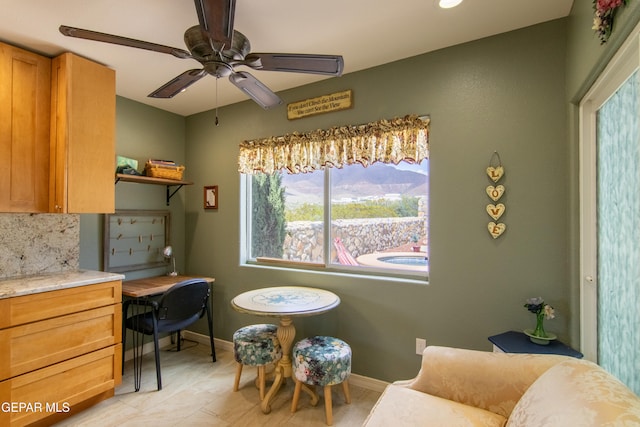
(26,285)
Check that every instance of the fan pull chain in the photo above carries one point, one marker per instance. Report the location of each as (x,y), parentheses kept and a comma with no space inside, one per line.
(216,101)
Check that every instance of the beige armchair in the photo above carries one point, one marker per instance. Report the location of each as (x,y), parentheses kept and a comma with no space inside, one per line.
(457,387)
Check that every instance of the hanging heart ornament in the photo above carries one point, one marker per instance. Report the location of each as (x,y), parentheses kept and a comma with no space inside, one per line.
(495,173)
(495,192)
(496,229)
(495,211)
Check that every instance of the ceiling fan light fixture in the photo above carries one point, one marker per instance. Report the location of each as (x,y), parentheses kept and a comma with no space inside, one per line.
(448,4)
(219,48)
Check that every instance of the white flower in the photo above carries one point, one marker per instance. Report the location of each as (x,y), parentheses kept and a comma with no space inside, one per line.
(597,23)
(535,301)
(549,312)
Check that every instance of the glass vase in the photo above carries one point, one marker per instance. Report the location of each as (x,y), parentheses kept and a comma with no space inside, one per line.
(539,330)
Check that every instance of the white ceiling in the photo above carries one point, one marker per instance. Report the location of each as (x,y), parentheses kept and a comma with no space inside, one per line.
(366,33)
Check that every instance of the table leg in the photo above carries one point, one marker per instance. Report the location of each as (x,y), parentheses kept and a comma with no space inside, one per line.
(138,342)
(286,333)
(137,338)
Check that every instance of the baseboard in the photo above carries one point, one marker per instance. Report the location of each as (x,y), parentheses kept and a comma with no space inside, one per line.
(148,347)
(354,379)
(368,383)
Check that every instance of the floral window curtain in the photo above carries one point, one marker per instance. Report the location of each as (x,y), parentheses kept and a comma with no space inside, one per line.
(386,141)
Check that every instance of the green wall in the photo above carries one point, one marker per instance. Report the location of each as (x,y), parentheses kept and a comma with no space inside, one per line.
(508,93)
(504,94)
(142,133)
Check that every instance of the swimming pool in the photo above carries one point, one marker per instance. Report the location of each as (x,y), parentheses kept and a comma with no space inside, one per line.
(413,261)
(419,260)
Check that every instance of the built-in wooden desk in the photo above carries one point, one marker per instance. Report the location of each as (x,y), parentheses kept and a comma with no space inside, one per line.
(157,285)
(141,289)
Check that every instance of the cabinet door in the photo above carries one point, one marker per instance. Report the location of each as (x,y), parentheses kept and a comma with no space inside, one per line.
(34,345)
(46,305)
(63,389)
(83,136)
(25,83)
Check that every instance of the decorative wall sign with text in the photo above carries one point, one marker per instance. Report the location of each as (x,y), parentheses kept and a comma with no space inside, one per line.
(495,210)
(495,192)
(321,104)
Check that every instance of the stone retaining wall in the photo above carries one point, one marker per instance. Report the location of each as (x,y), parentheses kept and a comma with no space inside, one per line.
(304,239)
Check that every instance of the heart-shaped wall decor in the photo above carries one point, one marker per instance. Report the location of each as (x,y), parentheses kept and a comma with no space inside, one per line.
(495,173)
(496,229)
(495,192)
(495,211)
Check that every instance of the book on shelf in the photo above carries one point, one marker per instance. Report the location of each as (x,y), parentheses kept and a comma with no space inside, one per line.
(159,162)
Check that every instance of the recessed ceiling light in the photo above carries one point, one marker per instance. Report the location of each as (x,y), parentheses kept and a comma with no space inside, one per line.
(447,4)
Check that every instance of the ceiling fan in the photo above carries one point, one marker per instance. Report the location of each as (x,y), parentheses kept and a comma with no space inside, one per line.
(220,49)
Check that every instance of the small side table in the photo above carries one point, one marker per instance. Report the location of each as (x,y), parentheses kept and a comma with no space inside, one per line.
(518,342)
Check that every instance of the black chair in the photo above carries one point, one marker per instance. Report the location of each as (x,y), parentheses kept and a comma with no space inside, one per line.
(180,306)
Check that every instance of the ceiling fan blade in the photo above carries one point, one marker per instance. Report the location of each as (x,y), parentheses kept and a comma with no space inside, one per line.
(179,84)
(255,89)
(331,65)
(123,41)
(216,20)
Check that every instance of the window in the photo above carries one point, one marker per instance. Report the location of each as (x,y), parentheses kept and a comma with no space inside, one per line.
(364,216)
(378,217)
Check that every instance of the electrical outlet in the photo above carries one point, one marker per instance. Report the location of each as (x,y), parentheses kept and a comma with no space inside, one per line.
(421,344)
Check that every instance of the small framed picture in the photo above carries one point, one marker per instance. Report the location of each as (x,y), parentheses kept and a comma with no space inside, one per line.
(211,197)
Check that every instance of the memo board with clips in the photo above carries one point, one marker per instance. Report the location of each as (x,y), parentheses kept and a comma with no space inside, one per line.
(135,239)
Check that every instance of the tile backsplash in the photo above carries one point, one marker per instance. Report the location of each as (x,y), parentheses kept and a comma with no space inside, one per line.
(38,243)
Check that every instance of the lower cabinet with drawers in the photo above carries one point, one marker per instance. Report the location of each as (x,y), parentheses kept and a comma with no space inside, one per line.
(62,352)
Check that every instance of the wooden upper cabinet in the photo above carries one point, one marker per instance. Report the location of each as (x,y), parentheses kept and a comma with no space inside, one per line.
(83,112)
(25,88)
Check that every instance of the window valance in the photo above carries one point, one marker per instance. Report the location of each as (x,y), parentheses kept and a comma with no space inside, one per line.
(387,141)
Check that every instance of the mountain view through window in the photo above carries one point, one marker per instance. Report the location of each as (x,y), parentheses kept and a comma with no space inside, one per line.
(376,217)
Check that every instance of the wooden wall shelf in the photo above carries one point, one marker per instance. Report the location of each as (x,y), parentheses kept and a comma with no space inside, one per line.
(156,181)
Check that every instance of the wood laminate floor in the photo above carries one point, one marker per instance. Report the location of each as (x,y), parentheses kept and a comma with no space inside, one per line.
(197,392)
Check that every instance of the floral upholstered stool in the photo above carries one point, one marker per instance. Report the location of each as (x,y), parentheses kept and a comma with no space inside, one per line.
(322,361)
(256,345)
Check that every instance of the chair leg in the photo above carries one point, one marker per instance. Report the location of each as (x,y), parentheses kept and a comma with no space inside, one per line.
(210,322)
(261,381)
(178,339)
(328,405)
(236,384)
(156,350)
(296,396)
(347,393)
